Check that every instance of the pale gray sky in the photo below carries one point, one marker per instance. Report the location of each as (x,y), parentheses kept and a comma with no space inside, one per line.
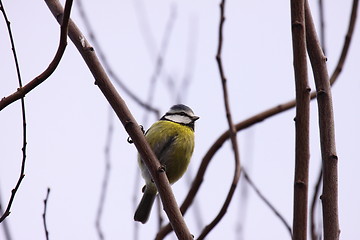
(67,115)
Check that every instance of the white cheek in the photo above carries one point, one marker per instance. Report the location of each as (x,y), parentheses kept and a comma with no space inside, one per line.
(179,119)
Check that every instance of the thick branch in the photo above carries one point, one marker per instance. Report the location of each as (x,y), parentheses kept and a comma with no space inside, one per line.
(327,131)
(130,125)
(302,151)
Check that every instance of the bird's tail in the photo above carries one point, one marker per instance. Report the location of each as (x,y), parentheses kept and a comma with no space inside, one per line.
(142,212)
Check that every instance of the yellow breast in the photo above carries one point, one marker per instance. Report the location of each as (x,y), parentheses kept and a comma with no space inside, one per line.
(173,144)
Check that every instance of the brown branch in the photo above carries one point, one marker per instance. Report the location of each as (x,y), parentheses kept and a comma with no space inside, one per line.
(28,87)
(22,91)
(256,119)
(348,38)
(108,67)
(267,202)
(128,121)
(302,147)
(327,132)
(44,214)
(232,131)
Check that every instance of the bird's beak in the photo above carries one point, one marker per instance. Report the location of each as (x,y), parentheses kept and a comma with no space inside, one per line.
(194,118)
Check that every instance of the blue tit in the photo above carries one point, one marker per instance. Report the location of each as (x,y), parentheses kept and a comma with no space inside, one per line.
(172,140)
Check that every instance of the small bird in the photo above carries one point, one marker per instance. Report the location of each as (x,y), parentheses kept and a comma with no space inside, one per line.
(172,140)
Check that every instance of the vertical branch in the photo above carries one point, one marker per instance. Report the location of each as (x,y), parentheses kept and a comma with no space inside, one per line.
(44,214)
(23,116)
(232,130)
(327,131)
(302,152)
(314,234)
(334,76)
(322,25)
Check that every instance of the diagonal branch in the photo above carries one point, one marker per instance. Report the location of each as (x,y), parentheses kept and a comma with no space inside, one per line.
(232,131)
(128,121)
(22,91)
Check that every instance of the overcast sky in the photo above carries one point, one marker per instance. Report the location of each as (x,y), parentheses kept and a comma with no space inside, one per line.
(68,117)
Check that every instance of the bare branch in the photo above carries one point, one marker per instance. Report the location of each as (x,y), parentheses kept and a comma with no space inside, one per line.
(44,214)
(327,133)
(347,42)
(232,131)
(129,123)
(31,85)
(254,120)
(314,234)
(302,147)
(22,91)
(322,25)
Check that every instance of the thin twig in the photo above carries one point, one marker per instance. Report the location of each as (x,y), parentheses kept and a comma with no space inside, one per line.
(302,120)
(23,90)
(44,214)
(5,224)
(107,65)
(322,25)
(104,186)
(256,119)
(232,131)
(315,198)
(128,121)
(23,116)
(327,130)
(267,202)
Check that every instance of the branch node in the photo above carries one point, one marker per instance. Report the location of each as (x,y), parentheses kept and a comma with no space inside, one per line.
(320,92)
(162,169)
(297,24)
(300,184)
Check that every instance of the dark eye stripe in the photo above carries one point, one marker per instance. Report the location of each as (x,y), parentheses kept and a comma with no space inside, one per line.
(178,113)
